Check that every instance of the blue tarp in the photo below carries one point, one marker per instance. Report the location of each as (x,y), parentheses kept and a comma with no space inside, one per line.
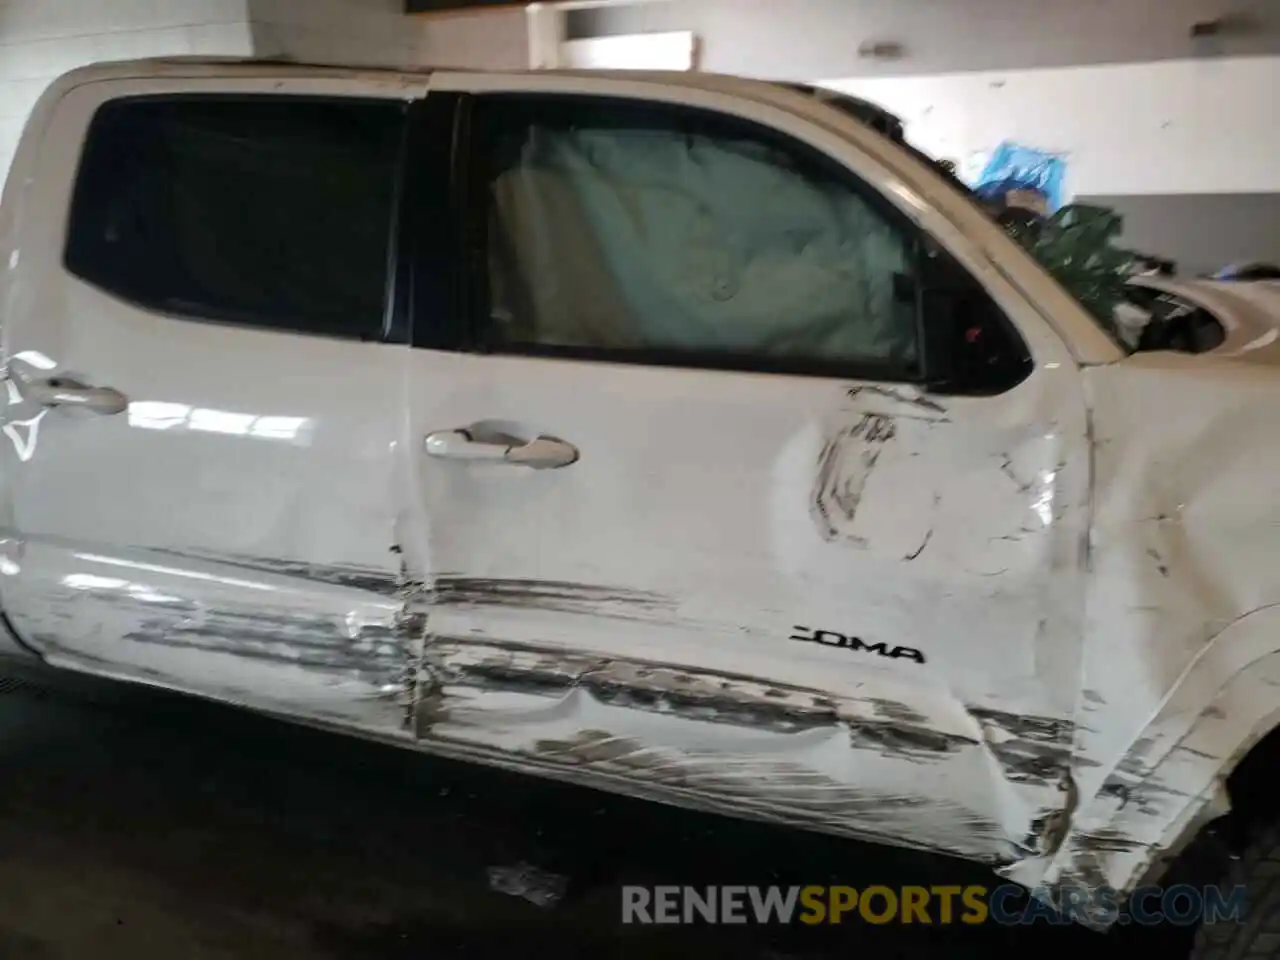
(1015,167)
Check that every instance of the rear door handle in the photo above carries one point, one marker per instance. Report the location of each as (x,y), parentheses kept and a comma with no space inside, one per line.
(541,453)
(64,392)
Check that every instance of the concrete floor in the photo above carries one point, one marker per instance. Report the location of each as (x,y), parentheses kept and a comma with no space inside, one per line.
(135,825)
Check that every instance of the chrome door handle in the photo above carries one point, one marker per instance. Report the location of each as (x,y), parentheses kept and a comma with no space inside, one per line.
(63,392)
(540,453)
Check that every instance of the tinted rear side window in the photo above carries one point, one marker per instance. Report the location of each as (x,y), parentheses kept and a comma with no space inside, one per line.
(267,211)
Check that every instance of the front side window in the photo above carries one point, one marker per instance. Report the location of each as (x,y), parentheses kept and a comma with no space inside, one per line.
(634,231)
(268,211)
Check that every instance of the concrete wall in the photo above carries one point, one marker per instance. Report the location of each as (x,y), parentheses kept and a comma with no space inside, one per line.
(40,39)
(1202,232)
(808,39)
(1179,135)
(1178,126)
(1185,149)
(373,32)
(487,40)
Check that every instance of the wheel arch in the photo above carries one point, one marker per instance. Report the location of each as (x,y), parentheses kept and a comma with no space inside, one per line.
(1204,750)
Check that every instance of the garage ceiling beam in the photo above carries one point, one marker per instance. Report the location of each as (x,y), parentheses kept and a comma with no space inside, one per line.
(456,6)
(441,6)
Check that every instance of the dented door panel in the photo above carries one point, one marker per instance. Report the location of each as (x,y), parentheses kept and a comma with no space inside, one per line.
(811,600)
(230,532)
(222,538)
(856,765)
(321,643)
(776,594)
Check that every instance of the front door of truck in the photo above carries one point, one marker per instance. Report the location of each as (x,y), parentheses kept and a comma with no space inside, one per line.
(696,530)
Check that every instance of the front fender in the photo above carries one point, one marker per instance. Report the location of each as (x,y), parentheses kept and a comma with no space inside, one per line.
(1171,780)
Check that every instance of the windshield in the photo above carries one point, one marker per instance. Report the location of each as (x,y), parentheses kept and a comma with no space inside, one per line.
(1076,244)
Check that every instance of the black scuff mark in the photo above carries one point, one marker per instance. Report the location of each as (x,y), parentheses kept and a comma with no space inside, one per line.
(424,701)
(381,582)
(716,697)
(1117,790)
(1091,479)
(1036,750)
(758,715)
(497,676)
(771,788)
(1027,764)
(1006,467)
(561,596)
(712,698)
(897,712)
(827,461)
(922,402)
(841,491)
(1145,795)
(1029,749)
(1027,727)
(1130,780)
(1106,841)
(1154,554)
(917,744)
(1022,533)
(915,554)
(381,655)
(1201,754)
(1042,630)
(1135,764)
(374,656)
(377,665)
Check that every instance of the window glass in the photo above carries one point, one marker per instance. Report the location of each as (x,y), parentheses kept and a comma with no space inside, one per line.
(270,211)
(623,229)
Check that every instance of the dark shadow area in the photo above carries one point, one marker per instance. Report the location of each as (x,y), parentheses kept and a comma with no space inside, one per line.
(140,825)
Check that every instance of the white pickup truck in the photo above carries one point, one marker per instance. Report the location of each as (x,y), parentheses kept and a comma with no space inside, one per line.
(677,435)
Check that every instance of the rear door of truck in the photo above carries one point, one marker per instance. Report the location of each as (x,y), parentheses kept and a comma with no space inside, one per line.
(202,338)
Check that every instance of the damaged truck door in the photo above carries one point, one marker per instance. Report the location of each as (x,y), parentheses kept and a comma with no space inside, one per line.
(787,572)
(201,411)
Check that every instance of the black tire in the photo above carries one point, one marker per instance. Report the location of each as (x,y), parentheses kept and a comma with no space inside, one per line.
(1258,936)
